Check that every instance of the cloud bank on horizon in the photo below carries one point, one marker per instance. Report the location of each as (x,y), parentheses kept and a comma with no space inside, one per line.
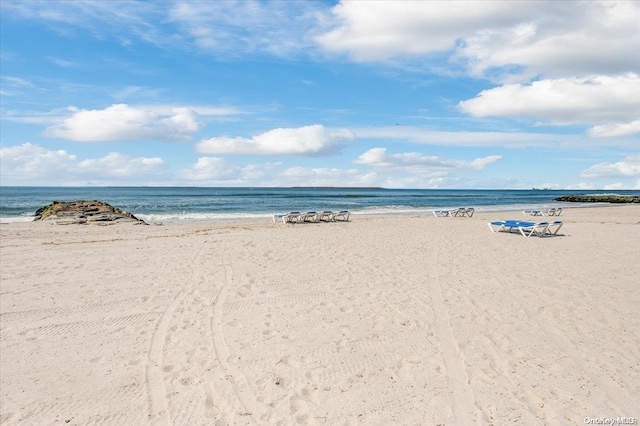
(409,94)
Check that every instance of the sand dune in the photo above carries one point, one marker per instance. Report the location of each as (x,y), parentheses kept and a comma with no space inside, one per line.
(410,320)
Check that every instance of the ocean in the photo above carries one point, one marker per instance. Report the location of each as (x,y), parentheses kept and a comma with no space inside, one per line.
(175,204)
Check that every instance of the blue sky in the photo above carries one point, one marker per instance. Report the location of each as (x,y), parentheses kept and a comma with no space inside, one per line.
(398,94)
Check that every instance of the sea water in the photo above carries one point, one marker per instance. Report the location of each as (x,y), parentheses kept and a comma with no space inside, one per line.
(171,204)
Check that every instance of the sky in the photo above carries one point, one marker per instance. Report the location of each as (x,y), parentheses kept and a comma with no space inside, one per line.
(394,94)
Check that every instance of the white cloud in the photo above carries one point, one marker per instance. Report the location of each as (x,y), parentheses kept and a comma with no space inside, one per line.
(493,37)
(16,82)
(121,20)
(122,122)
(378,157)
(116,123)
(217,171)
(307,140)
(556,39)
(32,162)
(59,61)
(485,139)
(595,100)
(379,30)
(627,168)
(616,129)
(116,165)
(212,169)
(237,27)
(15,85)
(326,176)
(35,165)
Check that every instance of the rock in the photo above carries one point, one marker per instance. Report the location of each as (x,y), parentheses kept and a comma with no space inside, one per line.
(85,213)
(611,198)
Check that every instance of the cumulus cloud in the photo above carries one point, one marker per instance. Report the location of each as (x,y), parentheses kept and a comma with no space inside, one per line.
(627,168)
(378,157)
(212,169)
(616,129)
(217,171)
(33,162)
(307,140)
(120,166)
(327,176)
(379,30)
(595,100)
(35,165)
(122,122)
(493,37)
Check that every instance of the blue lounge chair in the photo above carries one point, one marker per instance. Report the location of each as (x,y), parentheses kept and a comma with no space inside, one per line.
(525,228)
(554,227)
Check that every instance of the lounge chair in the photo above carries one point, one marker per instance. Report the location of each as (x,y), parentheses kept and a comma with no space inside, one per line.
(554,227)
(553,211)
(309,217)
(462,212)
(344,214)
(525,228)
(291,217)
(325,215)
(532,212)
(441,213)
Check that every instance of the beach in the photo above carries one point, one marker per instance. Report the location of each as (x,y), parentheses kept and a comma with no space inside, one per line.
(396,319)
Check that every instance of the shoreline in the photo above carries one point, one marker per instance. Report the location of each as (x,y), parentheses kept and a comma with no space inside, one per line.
(246,216)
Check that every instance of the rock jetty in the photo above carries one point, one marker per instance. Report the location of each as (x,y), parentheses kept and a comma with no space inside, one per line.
(611,198)
(85,213)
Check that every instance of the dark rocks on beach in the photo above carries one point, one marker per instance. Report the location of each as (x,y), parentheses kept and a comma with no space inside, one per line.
(85,213)
(599,199)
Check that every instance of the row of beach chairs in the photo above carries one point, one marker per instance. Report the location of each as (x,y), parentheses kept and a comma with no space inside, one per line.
(311,216)
(526,228)
(459,212)
(549,212)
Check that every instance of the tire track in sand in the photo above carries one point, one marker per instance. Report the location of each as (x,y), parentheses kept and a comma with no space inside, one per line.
(617,396)
(159,413)
(462,398)
(252,409)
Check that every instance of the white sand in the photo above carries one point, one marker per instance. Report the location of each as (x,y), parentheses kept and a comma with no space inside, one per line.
(382,320)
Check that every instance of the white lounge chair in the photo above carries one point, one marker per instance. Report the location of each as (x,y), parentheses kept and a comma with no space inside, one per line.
(291,217)
(343,214)
(469,211)
(325,215)
(553,211)
(441,213)
(309,217)
(532,212)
